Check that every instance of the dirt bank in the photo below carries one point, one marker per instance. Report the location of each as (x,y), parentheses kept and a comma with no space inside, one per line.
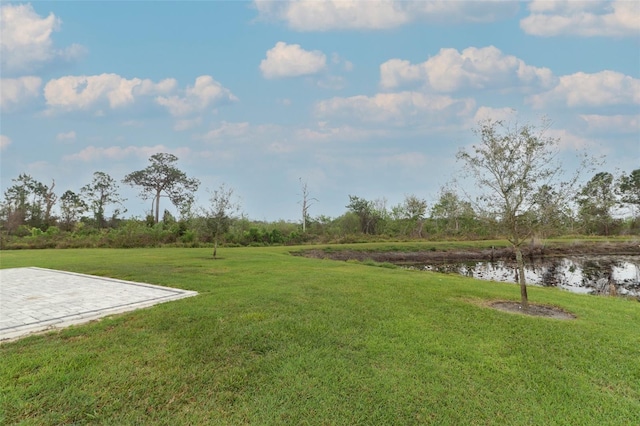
(430,256)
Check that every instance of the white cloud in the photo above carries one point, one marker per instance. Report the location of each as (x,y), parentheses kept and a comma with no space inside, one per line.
(205,93)
(290,60)
(395,108)
(18,91)
(68,136)
(84,92)
(312,15)
(25,39)
(475,68)
(583,18)
(92,153)
(612,123)
(593,90)
(148,87)
(5,141)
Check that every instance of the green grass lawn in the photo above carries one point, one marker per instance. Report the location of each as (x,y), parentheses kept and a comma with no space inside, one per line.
(279,339)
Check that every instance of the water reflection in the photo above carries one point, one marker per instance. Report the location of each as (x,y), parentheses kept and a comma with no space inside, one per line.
(603,275)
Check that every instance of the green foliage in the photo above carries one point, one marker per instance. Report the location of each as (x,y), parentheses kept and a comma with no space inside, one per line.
(52,230)
(101,193)
(369,216)
(22,231)
(27,202)
(510,164)
(596,199)
(451,214)
(629,191)
(163,178)
(72,206)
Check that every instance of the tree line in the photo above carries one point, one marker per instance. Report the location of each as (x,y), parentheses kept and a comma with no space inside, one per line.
(519,200)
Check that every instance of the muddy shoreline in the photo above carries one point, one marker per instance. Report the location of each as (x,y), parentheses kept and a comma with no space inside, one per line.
(488,254)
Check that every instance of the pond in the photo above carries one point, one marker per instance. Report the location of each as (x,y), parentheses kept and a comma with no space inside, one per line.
(601,275)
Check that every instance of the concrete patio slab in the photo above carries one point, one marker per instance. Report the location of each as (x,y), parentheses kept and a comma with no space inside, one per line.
(34,300)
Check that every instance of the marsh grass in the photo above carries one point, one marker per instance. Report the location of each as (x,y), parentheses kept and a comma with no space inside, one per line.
(278,339)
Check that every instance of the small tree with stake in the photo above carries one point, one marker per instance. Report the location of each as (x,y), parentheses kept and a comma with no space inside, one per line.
(510,165)
(219,214)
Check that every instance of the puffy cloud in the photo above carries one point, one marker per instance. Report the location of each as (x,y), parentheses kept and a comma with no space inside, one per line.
(84,92)
(18,91)
(593,90)
(205,93)
(475,68)
(68,136)
(92,153)
(585,18)
(148,87)
(290,60)
(395,108)
(25,39)
(311,15)
(5,141)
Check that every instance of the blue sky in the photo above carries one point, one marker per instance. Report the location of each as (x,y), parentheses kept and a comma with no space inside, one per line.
(366,98)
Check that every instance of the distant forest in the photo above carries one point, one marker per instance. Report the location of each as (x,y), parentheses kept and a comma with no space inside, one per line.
(34,215)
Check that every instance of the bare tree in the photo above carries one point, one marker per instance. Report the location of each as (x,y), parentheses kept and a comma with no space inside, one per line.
(510,164)
(50,199)
(306,202)
(219,214)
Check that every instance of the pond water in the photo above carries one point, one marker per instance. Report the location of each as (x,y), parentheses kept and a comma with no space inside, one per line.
(602,275)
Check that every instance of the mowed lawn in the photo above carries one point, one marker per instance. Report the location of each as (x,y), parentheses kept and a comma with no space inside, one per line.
(276,339)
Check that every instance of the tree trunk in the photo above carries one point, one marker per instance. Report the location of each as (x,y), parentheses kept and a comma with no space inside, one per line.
(612,287)
(215,247)
(158,207)
(524,299)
